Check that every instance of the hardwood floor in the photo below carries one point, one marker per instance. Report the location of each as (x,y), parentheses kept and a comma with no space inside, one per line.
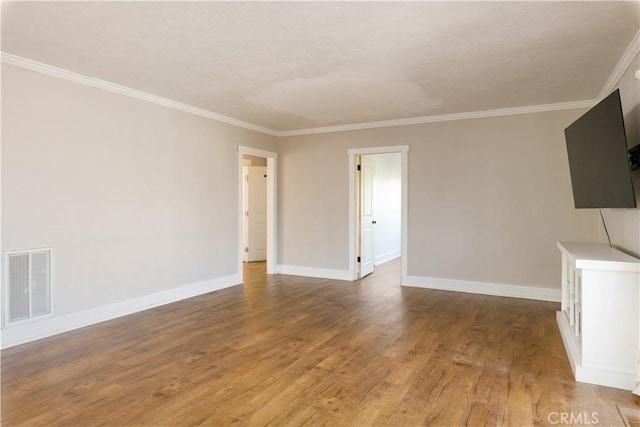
(289,351)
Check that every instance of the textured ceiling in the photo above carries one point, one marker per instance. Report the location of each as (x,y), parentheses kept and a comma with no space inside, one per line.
(295,65)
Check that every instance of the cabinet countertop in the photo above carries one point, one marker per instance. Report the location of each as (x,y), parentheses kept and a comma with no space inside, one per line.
(599,257)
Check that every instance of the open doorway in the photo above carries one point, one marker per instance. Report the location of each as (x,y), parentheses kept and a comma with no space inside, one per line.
(256,208)
(378,208)
(254,190)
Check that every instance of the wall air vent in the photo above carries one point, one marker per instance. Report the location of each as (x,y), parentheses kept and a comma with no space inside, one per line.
(28,284)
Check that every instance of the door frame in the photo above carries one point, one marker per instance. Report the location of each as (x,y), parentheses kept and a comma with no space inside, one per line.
(272,170)
(354,232)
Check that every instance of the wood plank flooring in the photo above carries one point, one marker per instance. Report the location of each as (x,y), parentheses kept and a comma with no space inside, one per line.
(290,351)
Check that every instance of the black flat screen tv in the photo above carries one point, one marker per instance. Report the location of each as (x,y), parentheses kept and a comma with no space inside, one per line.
(599,159)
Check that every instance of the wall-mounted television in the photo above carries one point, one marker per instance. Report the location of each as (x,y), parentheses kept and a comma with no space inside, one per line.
(599,157)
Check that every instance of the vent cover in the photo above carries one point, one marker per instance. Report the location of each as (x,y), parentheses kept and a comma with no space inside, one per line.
(28,284)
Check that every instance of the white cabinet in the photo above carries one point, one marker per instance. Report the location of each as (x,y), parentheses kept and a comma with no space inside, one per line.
(599,318)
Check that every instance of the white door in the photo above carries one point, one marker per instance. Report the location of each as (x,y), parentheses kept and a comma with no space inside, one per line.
(245,210)
(367,221)
(257,214)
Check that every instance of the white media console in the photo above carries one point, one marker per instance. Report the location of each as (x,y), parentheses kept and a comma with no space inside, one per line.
(600,315)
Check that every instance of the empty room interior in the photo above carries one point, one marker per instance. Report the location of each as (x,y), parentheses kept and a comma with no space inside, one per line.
(320,213)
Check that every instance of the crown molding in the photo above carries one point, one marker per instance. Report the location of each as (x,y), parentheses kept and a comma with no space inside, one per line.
(133,93)
(39,67)
(623,64)
(444,118)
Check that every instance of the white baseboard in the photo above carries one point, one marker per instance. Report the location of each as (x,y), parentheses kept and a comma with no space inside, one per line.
(514,291)
(321,273)
(20,334)
(388,256)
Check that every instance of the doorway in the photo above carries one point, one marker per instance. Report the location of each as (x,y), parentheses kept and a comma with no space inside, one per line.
(254,208)
(364,211)
(257,207)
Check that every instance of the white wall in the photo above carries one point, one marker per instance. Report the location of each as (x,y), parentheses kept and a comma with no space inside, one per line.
(135,198)
(387,206)
(624,224)
(488,198)
(250,160)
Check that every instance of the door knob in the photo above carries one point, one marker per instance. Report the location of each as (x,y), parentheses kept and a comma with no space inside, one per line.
(374,222)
